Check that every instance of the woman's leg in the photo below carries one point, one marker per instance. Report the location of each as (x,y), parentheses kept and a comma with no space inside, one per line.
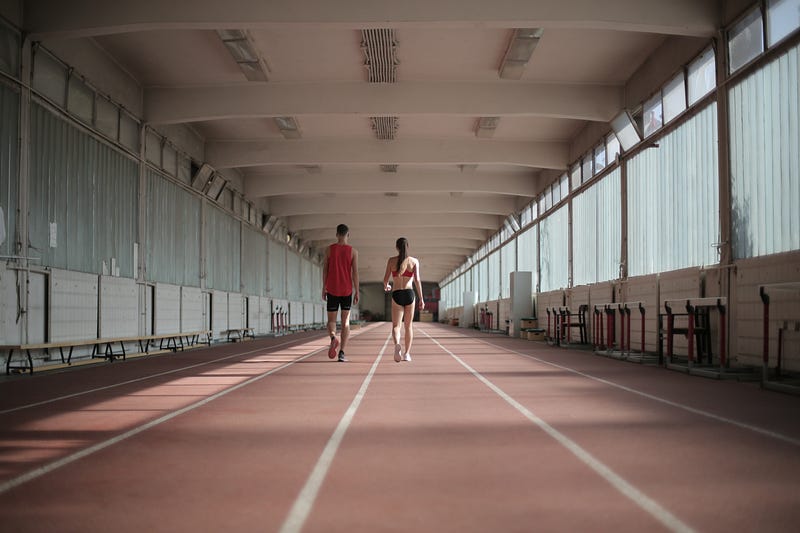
(408,317)
(397,316)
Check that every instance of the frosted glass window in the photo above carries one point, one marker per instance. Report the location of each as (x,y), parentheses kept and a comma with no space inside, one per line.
(702,76)
(575,176)
(783,17)
(599,158)
(9,50)
(586,172)
(555,190)
(746,40)
(526,251)
(50,77)
(542,204)
(554,250)
(674,97)
(653,115)
(564,183)
(626,131)
(184,169)
(107,119)
(80,100)
(548,199)
(612,148)
(152,148)
(508,264)
(129,132)
(170,160)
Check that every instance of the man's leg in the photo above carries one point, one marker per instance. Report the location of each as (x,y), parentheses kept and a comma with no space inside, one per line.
(332,350)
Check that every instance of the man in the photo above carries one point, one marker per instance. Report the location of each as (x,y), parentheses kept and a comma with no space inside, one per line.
(340,286)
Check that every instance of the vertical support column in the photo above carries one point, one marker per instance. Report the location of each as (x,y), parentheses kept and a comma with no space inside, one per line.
(765,334)
(690,310)
(623,253)
(21,244)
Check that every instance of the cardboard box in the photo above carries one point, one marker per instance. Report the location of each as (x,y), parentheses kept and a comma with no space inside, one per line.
(535,334)
(528,323)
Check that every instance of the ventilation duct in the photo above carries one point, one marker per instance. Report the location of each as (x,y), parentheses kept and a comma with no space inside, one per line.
(385,128)
(380,55)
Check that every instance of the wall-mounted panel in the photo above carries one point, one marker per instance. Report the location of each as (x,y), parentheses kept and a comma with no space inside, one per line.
(264,315)
(235,302)
(168,308)
(73,305)
(9,311)
(119,307)
(192,318)
(219,312)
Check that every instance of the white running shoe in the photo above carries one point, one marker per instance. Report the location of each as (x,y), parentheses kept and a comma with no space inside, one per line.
(407,357)
(398,353)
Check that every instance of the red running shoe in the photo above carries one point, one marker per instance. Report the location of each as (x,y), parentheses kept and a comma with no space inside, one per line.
(334,348)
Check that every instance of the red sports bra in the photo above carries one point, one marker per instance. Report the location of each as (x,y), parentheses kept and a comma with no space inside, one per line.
(405,274)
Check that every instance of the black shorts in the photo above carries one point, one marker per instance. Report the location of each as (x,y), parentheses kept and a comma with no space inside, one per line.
(335,301)
(403,296)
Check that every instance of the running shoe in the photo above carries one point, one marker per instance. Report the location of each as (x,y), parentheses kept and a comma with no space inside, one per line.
(342,358)
(398,353)
(333,348)
(407,357)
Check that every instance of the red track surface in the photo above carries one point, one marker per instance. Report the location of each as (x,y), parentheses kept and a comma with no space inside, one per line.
(478,433)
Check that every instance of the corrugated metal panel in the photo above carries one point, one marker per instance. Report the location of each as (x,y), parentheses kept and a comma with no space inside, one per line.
(191,309)
(254,262)
(119,307)
(293,276)
(554,256)
(597,232)
(765,160)
(527,243)
(223,250)
(494,276)
(168,308)
(173,230)
(277,269)
(82,198)
(673,199)
(9,164)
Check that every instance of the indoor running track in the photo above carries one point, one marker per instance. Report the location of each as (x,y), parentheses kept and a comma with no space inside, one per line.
(478,433)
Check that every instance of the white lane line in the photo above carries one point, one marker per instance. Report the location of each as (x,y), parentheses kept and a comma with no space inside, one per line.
(670,521)
(305,500)
(143,378)
(693,410)
(38,472)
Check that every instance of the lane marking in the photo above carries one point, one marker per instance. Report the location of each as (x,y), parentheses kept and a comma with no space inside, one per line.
(672,522)
(693,410)
(301,508)
(143,378)
(42,470)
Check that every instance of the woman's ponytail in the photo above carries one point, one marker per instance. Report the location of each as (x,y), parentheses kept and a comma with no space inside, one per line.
(401,245)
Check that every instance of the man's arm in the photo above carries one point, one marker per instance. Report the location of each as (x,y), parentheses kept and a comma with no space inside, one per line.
(325,274)
(354,268)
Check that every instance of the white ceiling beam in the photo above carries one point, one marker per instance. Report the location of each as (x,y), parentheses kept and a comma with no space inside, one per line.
(386,252)
(229,154)
(475,223)
(492,205)
(570,101)
(387,237)
(515,184)
(84,18)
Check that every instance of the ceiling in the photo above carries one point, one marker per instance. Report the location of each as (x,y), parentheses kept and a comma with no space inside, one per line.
(452,189)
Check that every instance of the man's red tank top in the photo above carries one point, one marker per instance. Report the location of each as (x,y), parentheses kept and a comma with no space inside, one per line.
(340,274)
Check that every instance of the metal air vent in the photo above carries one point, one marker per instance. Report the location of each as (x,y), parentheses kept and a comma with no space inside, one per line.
(385,128)
(380,57)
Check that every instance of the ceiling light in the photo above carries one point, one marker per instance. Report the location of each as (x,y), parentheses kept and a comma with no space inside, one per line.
(288,127)
(520,49)
(485,126)
(243,51)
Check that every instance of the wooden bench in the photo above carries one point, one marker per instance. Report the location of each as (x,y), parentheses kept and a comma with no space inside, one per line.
(168,341)
(239,334)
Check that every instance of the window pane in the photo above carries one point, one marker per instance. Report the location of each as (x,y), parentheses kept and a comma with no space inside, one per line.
(50,77)
(548,198)
(575,176)
(702,76)
(674,98)
(555,191)
(170,160)
(612,148)
(542,204)
(564,186)
(783,17)
(626,131)
(599,158)
(746,40)
(586,173)
(80,100)
(152,148)
(107,120)
(129,132)
(9,50)
(653,118)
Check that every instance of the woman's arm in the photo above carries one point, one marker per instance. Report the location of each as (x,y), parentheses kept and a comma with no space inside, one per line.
(386,286)
(418,284)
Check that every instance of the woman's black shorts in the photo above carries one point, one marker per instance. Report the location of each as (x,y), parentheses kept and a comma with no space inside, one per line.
(403,296)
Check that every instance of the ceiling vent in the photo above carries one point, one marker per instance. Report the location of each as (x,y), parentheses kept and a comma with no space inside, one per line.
(388,168)
(380,55)
(288,127)
(385,128)
(485,126)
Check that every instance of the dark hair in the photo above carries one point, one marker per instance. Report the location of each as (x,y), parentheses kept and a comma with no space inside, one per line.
(342,230)
(401,245)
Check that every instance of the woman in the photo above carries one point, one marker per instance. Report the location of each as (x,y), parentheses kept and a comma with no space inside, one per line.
(404,271)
